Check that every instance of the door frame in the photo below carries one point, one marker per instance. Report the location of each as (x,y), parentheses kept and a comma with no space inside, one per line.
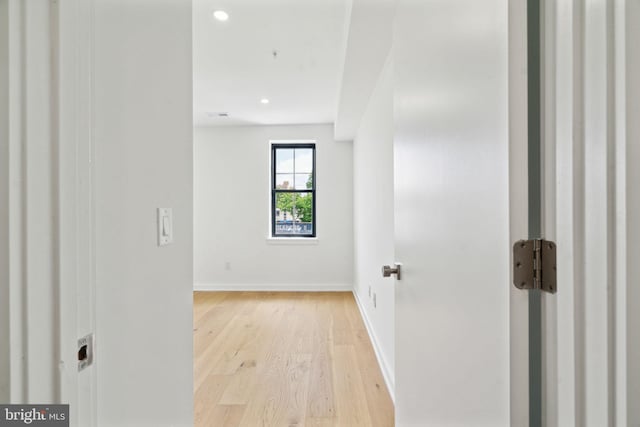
(585,193)
(50,219)
(519,209)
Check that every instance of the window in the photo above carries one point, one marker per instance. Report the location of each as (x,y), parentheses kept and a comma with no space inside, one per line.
(293,190)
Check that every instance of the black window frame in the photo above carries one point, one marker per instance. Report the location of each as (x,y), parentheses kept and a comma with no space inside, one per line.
(275,191)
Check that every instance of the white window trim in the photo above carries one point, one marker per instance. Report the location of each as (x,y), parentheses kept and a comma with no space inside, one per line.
(301,241)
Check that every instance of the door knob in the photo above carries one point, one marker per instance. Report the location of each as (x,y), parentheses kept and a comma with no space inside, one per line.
(387,271)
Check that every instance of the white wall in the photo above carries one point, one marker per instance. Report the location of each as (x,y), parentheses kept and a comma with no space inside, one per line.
(4,202)
(143,140)
(232,202)
(373,218)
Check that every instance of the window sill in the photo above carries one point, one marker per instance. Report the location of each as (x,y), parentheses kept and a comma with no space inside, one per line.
(292,241)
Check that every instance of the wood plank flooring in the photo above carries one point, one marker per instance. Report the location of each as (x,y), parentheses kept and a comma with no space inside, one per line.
(285,359)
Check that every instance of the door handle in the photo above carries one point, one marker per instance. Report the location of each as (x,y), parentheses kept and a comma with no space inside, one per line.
(387,271)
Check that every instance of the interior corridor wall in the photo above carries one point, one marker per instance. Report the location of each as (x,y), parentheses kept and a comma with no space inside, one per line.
(143,161)
(232,199)
(373,217)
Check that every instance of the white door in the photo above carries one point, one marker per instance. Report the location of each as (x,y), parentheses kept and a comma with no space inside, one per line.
(462,199)
(452,218)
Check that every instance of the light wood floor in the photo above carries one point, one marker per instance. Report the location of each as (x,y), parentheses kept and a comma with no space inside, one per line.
(285,359)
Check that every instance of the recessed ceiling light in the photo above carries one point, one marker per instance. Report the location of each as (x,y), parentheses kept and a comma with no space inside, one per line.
(221,15)
(264,101)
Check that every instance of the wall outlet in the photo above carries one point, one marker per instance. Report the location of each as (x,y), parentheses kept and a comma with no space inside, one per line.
(374,300)
(369,291)
(227,266)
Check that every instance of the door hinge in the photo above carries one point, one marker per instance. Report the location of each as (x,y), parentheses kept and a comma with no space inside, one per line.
(534,265)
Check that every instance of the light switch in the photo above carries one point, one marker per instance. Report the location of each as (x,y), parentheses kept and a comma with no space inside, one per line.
(165,226)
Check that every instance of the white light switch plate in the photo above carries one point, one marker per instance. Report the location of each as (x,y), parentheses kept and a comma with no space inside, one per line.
(165,226)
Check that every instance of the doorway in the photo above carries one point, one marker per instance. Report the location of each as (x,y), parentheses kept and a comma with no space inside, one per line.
(283,330)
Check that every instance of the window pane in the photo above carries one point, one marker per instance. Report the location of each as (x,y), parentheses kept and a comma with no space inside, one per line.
(304,208)
(294,213)
(304,160)
(304,181)
(284,181)
(284,207)
(284,160)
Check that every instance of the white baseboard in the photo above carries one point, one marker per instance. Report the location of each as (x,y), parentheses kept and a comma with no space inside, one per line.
(270,287)
(384,366)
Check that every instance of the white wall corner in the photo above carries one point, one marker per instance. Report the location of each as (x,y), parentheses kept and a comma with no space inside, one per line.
(370,23)
(387,370)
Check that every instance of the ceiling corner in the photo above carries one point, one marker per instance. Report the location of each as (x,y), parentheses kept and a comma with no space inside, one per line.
(368,42)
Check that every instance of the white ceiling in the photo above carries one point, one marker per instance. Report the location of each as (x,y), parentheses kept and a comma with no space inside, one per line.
(234,64)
